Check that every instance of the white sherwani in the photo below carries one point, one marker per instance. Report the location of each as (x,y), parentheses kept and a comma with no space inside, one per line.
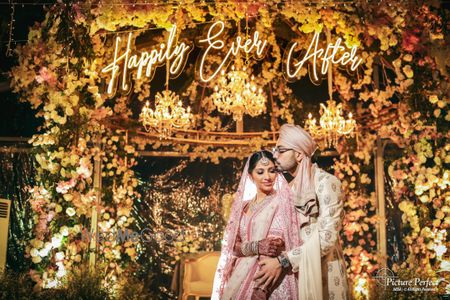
(322,276)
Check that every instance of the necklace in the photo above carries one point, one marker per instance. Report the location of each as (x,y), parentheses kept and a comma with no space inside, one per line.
(255,204)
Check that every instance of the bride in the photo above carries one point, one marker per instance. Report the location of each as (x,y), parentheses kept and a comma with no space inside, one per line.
(262,223)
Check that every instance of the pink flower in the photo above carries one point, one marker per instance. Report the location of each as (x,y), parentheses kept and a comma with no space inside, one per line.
(50,216)
(46,76)
(41,227)
(79,16)
(36,204)
(411,40)
(64,186)
(99,114)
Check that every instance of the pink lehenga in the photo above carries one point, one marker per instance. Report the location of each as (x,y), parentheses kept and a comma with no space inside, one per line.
(274,217)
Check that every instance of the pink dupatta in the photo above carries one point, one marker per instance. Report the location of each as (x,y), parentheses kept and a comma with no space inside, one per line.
(247,191)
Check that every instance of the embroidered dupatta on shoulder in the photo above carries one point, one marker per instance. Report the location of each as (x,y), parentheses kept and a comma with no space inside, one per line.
(247,191)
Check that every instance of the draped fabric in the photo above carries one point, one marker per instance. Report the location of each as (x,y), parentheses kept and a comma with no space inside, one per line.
(276,212)
(299,140)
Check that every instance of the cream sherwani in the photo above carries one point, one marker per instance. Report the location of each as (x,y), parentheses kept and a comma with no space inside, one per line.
(319,260)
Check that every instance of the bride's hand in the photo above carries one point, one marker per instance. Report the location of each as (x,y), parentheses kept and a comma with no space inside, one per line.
(270,246)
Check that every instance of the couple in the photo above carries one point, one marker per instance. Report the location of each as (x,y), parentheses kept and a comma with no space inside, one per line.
(282,240)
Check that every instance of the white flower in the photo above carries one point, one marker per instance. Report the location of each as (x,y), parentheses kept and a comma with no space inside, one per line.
(43,252)
(61,273)
(440,250)
(445,266)
(48,246)
(64,231)
(56,241)
(59,256)
(70,211)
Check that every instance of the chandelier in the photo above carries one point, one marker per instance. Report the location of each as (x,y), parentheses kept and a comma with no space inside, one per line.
(237,94)
(332,125)
(169,114)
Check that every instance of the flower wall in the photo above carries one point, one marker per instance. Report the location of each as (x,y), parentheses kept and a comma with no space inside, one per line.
(400,93)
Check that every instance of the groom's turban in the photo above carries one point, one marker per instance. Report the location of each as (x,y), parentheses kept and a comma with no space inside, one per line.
(295,137)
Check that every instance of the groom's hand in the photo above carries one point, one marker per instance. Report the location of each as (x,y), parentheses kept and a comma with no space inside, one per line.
(269,273)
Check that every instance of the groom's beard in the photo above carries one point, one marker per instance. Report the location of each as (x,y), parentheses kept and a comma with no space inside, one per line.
(285,173)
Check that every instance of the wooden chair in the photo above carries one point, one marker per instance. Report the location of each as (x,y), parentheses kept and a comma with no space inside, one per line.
(198,276)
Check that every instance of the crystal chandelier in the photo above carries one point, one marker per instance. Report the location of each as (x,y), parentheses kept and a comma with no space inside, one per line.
(236,93)
(332,125)
(169,113)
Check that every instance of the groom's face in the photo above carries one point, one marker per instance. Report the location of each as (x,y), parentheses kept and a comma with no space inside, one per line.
(285,157)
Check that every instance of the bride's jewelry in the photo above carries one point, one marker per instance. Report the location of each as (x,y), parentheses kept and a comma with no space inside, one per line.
(264,161)
(254,204)
(250,248)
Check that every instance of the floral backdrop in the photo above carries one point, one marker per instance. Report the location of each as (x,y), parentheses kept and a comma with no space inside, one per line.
(400,93)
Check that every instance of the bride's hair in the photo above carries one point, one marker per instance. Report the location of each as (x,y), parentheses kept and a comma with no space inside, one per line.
(257,157)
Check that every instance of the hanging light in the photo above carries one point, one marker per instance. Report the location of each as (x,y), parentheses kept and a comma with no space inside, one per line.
(332,124)
(237,94)
(168,114)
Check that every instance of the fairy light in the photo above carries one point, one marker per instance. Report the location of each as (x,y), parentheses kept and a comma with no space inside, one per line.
(9,51)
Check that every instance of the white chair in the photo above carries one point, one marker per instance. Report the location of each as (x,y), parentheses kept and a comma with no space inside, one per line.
(198,276)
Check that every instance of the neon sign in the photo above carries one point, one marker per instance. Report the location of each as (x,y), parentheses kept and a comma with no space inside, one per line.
(213,40)
(176,56)
(144,63)
(313,54)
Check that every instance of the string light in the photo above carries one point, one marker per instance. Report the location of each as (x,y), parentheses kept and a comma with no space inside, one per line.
(9,51)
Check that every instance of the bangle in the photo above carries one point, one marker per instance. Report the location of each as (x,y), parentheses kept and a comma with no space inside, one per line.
(249,248)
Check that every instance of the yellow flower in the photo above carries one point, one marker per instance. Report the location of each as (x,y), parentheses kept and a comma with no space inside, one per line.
(36,259)
(131,251)
(436,223)
(407,58)
(34,252)
(68,197)
(441,104)
(433,99)
(408,71)
(437,112)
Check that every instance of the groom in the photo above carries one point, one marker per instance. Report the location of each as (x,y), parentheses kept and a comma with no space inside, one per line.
(319,204)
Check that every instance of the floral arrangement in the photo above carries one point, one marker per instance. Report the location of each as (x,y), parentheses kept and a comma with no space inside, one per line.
(59,74)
